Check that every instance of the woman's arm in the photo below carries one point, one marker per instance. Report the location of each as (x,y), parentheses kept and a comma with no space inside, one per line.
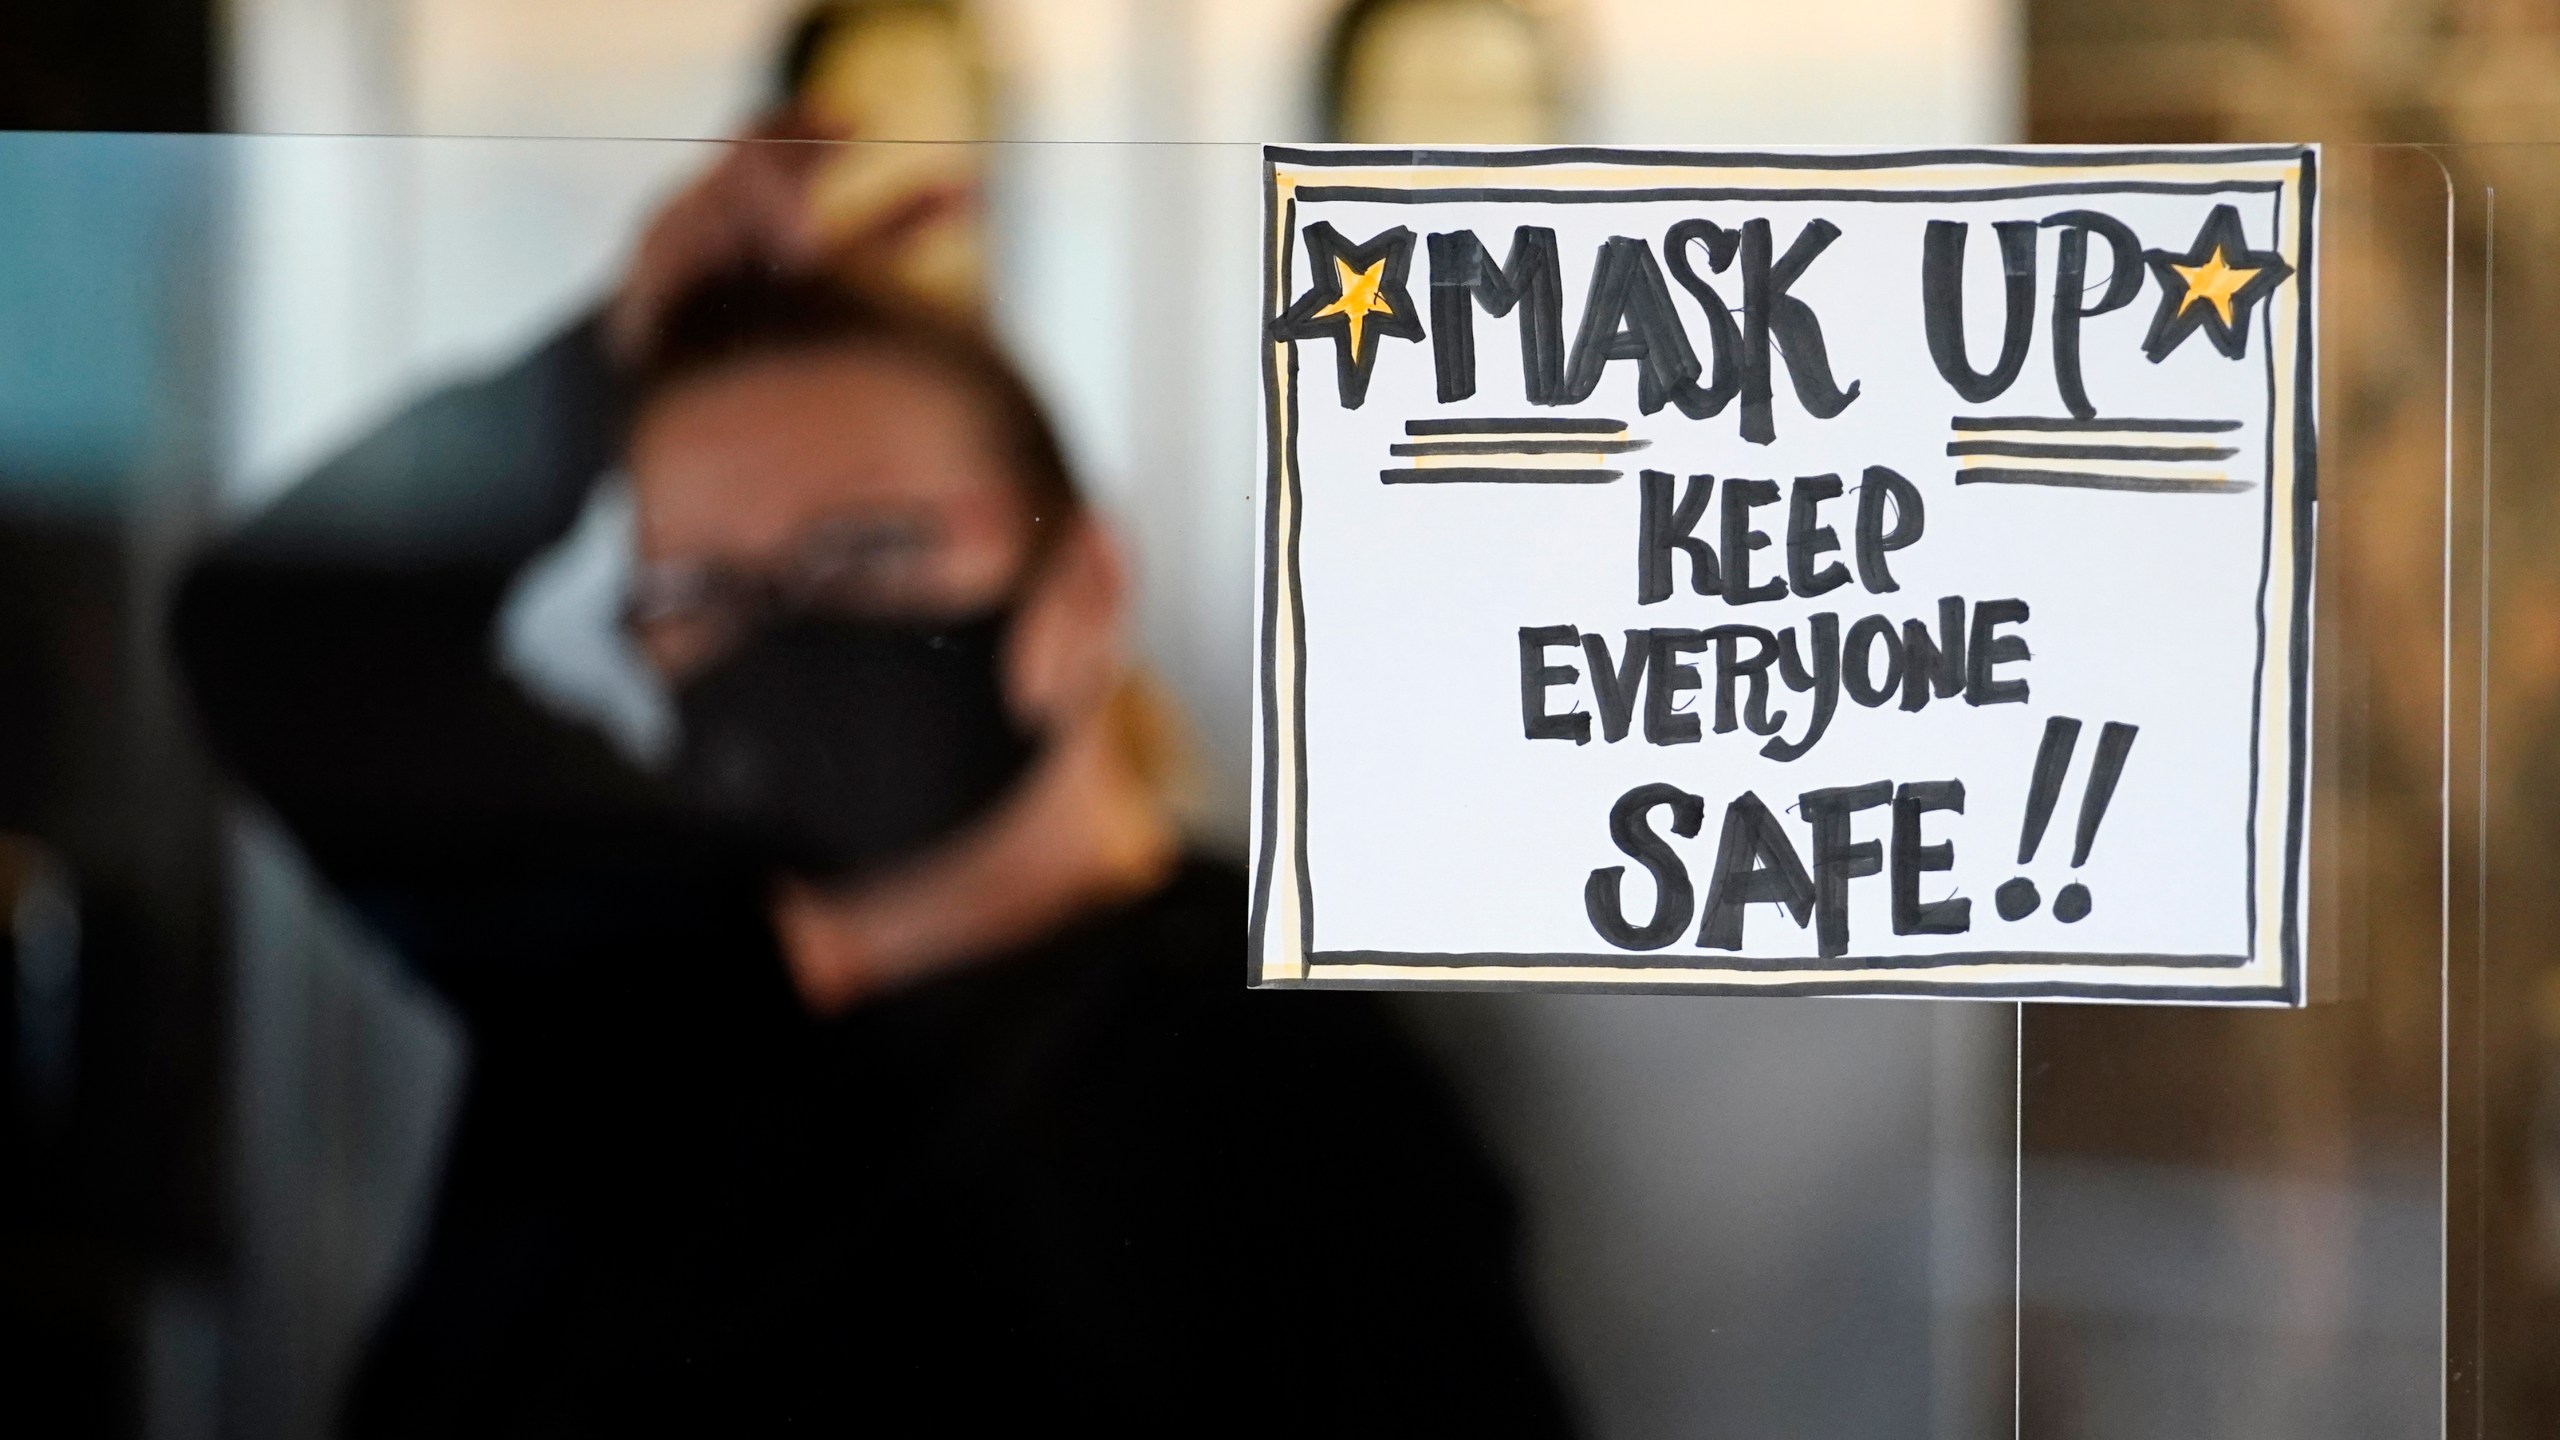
(338,645)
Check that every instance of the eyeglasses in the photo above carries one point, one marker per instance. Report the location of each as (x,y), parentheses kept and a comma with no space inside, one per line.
(859,569)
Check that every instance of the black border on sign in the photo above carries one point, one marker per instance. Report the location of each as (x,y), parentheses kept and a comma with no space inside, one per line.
(1257,923)
(1395,195)
(1281,554)
(2306,507)
(1747,964)
(2027,156)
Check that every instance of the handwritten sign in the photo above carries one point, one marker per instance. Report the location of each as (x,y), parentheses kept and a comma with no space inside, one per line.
(1804,572)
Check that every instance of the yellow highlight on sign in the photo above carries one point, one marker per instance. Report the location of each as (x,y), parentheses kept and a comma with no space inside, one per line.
(2213,281)
(1360,297)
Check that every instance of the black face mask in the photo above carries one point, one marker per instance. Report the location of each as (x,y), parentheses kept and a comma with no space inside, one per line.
(841,744)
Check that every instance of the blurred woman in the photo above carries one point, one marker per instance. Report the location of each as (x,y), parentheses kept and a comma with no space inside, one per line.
(876,1058)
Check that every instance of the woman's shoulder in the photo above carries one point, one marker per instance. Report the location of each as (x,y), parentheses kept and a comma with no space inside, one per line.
(1180,959)
(1198,914)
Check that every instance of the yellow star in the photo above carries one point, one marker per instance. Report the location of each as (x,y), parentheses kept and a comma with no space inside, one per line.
(2213,281)
(1360,298)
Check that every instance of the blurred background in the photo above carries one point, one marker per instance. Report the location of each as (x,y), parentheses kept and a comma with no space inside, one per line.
(236,236)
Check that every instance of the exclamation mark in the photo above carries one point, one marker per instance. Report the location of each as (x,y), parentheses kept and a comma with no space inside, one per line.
(2114,743)
(2017,899)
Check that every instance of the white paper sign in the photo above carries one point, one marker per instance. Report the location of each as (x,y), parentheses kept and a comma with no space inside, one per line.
(1786,573)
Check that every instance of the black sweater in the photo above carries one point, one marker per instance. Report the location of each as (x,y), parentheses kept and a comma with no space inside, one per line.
(1094,1181)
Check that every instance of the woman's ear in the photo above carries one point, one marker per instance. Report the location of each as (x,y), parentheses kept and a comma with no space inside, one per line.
(1065,652)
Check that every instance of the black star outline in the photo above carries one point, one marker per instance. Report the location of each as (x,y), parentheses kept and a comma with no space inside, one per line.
(2177,319)
(1401,319)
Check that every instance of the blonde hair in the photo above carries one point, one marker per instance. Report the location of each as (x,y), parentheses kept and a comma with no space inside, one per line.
(1154,737)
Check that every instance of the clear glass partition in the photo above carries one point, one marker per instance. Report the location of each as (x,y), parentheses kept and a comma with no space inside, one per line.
(2233,1223)
(1741,1216)
(2501,1223)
